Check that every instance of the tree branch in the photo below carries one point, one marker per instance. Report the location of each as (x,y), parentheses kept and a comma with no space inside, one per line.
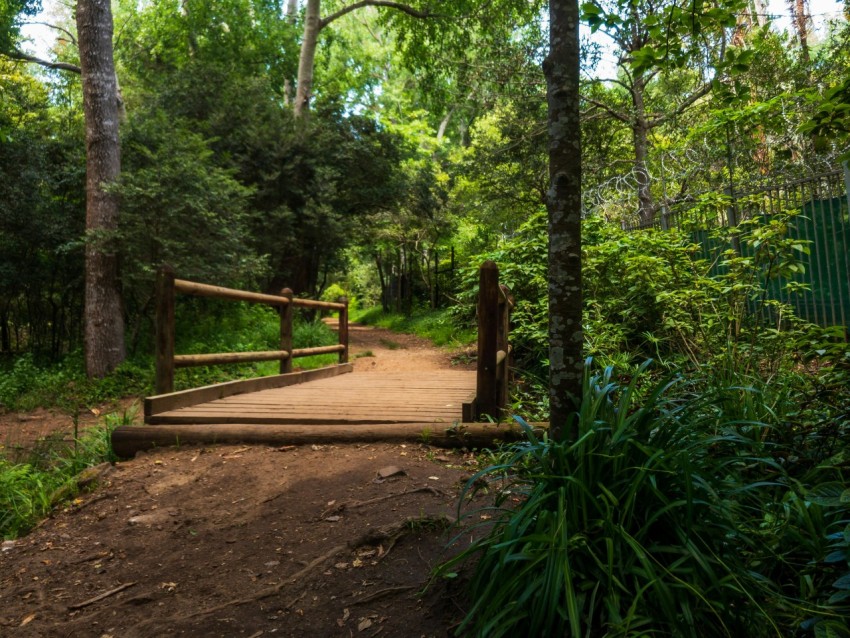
(374,3)
(693,97)
(58,66)
(612,81)
(618,115)
(57,28)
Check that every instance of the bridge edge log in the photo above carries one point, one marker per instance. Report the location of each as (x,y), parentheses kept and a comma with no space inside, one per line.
(127,441)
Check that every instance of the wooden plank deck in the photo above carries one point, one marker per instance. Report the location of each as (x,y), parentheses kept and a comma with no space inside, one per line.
(347,399)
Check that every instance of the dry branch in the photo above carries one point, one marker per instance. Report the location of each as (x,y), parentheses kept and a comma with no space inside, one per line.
(355,504)
(99,597)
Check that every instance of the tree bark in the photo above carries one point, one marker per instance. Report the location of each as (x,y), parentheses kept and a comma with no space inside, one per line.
(291,11)
(306,60)
(640,139)
(313,25)
(800,14)
(561,68)
(103,314)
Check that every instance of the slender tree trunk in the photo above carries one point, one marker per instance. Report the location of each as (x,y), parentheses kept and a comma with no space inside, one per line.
(291,10)
(312,26)
(564,203)
(640,139)
(104,317)
(5,336)
(800,13)
(385,301)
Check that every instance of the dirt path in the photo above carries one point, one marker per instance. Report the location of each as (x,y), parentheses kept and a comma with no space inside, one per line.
(251,541)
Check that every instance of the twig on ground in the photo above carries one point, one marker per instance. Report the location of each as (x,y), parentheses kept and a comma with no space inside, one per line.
(78,508)
(386,497)
(381,593)
(391,533)
(99,597)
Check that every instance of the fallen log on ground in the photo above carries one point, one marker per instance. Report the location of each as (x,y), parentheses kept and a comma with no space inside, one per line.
(128,440)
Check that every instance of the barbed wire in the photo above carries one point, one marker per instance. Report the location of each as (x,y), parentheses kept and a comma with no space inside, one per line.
(617,197)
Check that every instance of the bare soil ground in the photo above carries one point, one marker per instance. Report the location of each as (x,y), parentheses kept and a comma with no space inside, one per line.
(335,540)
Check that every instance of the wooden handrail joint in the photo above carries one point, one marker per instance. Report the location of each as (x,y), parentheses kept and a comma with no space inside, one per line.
(309,352)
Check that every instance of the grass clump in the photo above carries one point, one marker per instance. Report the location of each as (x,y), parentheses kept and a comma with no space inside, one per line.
(662,517)
(30,489)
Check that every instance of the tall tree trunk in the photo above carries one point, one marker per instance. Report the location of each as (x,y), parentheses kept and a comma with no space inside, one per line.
(312,26)
(291,10)
(640,139)
(104,317)
(561,68)
(5,336)
(800,14)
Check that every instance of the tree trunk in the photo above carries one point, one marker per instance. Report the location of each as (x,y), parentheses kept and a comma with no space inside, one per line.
(640,139)
(312,26)
(800,14)
(104,320)
(291,11)
(385,296)
(561,68)
(5,336)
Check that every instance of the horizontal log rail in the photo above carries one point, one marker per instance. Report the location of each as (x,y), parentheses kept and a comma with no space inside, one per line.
(167,361)
(205,290)
(190,360)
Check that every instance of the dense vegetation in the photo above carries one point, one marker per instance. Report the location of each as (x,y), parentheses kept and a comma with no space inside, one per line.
(704,492)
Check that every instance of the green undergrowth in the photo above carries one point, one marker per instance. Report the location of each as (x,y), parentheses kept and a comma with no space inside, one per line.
(436,325)
(27,382)
(30,488)
(714,506)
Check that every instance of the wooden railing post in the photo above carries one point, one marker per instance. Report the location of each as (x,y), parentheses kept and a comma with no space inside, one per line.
(503,354)
(343,329)
(164,382)
(286,311)
(488,329)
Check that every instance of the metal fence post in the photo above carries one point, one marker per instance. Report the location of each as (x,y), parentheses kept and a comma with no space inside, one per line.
(732,218)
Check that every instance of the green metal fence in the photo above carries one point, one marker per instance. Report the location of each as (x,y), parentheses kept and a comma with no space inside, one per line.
(823,223)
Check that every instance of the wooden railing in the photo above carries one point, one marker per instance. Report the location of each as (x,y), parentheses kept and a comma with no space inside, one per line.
(166,360)
(495,303)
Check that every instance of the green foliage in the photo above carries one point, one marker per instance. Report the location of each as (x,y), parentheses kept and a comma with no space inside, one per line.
(30,490)
(522,267)
(624,531)
(26,385)
(689,509)
(179,207)
(42,198)
(435,325)
(655,293)
(831,119)
(11,13)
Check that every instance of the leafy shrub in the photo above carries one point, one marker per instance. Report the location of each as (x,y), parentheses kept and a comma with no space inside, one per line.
(626,530)
(716,507)
(30,490)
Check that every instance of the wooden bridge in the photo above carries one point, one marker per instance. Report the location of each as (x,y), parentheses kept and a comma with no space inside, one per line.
(329,404)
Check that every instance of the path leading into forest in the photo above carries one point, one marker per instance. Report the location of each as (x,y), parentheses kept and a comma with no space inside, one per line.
(330,540)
